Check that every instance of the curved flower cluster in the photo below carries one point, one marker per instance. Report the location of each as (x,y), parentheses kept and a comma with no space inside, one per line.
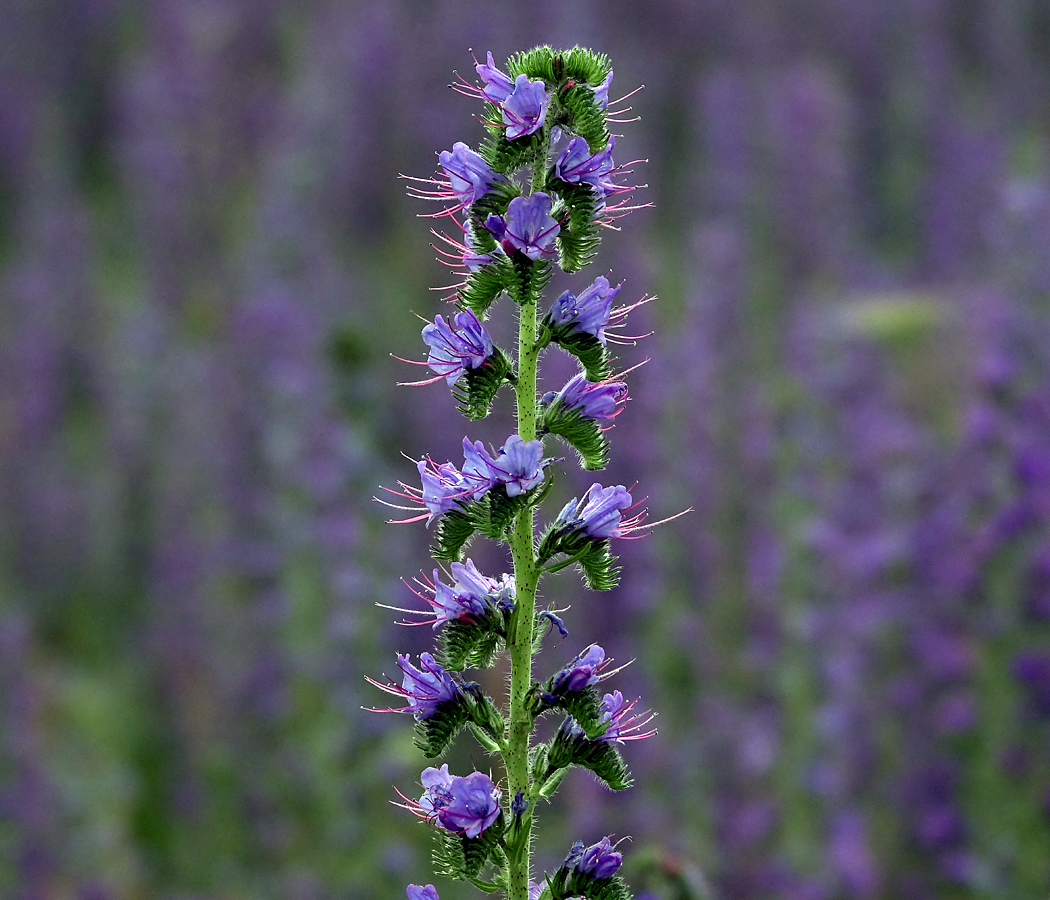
(518,465)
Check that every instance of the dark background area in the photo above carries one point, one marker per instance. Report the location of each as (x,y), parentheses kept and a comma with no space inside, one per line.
(206,258)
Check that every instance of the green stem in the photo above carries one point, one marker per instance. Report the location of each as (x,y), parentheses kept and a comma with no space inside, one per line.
(526,575)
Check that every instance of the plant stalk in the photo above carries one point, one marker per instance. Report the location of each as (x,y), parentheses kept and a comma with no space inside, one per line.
(526,576)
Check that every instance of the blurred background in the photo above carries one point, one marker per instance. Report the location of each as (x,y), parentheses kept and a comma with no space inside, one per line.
(206,256)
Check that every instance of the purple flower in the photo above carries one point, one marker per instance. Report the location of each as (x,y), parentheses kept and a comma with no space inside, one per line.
(582,672)
(469,174)
(595,400)
(601,92)
(498,87)
(527,226)
(424,688)
(620,725)
(524,109)
(535,890)
(452,352)
(415,892)
(600,860)
(467,597)
(598,515)
(589,312)
(437,788)
(520,465)
(479,468)
(575,164)
(466,805)
(444,487)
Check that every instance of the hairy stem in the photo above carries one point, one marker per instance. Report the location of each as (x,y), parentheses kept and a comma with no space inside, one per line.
(526,575)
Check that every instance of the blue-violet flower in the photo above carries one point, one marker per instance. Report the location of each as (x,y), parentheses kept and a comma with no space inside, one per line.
(620,726)
(598,514)
(525,108)
(468,173)
(575,164)
(498,86)
(594,399)
(589,312)
(453,351)
(416,892)
(424,688)
(479,468)
(582,672)
(599,860)
(601,92)
(467,597)
(464,805)
(520,465)
(527,226)
(444,487)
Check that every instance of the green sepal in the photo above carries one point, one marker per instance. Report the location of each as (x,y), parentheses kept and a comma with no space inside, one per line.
(494,202)
(460,857)
(552,783)
(452,534)
(572,747)
(496,510)
(463,645)
(584,707)
(578,237)
(483,287)
(491,516)
(545,781)
(580,432)
(598,567)
(435,733)
(595,359)
(558,67)
(475,389)
(570,882)
(483,714)
(596,562)
(529,278)
(581,115)
(503,156)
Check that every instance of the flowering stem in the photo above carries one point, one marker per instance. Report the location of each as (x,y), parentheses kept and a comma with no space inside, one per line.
(526,576)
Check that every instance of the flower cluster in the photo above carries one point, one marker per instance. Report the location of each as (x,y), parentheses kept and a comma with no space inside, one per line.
(511,234)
